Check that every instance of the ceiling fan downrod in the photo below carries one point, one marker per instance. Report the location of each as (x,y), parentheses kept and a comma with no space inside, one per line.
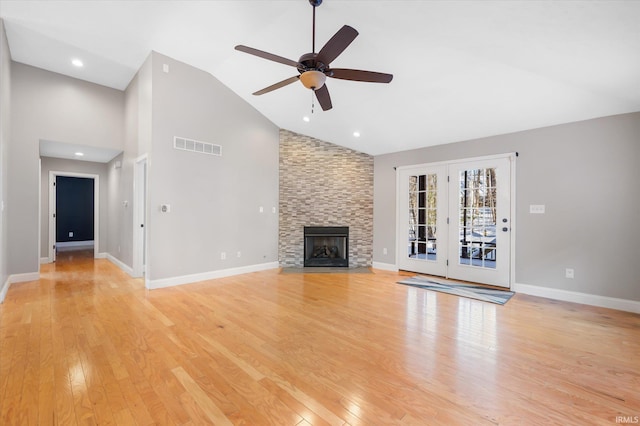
(314,3)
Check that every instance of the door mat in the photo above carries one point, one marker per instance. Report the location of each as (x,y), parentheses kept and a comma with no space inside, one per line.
(477,292)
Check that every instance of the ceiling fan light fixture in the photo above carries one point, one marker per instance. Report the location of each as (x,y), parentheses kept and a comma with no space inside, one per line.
(313,79)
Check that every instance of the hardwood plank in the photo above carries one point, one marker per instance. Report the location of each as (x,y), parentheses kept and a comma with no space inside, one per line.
(11,413)
(137,408)
(46,404)
(308,416)
(63,395)
(200,397)
(15,375)
(108,380)
(124,417)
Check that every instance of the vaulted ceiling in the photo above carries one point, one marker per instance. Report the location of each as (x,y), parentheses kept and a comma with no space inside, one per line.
(462,69)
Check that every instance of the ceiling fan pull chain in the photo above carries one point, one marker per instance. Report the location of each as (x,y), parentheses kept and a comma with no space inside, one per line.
(312,105)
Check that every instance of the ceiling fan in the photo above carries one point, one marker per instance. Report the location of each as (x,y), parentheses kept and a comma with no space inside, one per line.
(314,67)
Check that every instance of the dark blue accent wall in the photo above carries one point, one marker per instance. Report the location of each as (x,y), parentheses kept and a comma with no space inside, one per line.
(74,209)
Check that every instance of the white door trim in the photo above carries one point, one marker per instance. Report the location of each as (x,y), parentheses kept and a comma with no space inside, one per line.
(140,210)
(52,209)
(459,160)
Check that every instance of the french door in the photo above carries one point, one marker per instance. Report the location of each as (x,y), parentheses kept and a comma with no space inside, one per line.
(454,219)
(422,220)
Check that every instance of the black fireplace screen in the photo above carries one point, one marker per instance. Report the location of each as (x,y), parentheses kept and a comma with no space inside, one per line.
(326,246)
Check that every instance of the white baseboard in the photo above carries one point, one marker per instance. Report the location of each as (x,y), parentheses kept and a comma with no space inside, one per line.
(20,278)
(576,297)
(4,289)
(44,260)
(17,278)
(188,279)
(126,268)
(86,243)
(385,266)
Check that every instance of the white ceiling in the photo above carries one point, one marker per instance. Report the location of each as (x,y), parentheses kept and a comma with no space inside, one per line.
(77,152)
(462,69)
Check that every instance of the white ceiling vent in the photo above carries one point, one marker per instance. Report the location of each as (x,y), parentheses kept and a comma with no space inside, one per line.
(197,146)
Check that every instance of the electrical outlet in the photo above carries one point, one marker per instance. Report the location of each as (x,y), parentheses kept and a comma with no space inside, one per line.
(239,254)
(70,234)
(568,273)
(384,251)
(261,209)
(223,255)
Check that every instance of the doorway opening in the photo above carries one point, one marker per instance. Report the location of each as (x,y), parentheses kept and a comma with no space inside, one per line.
(73,212)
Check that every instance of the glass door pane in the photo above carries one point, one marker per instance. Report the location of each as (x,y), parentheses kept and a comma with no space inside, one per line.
(477,219)
(423,215)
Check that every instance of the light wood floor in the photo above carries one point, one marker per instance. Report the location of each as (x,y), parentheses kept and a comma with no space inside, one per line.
(86,344)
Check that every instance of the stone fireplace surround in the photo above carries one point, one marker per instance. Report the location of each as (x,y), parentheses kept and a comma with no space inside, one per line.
(322,184)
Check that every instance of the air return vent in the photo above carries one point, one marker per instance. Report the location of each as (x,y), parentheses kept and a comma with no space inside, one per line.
(185,144)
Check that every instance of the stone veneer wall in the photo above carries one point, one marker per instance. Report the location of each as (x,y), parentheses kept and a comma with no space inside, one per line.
(322,184)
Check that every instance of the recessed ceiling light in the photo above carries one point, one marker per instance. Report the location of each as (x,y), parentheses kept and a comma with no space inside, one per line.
(78,154)
(306,118)
(77,62)
(356,134)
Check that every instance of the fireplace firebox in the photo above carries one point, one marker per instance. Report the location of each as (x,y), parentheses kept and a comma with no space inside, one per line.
(326,246)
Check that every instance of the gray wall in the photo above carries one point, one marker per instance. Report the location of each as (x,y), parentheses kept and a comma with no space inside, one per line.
(115,209)
(61,165)
(585,174)
(50,106)
(322,184)
(5,107)
(214,201)
(137,141)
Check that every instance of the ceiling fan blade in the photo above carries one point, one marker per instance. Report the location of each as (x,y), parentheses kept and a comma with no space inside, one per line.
(358,75)
(277,85)
(336,44)
(267,55)
(322,94)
